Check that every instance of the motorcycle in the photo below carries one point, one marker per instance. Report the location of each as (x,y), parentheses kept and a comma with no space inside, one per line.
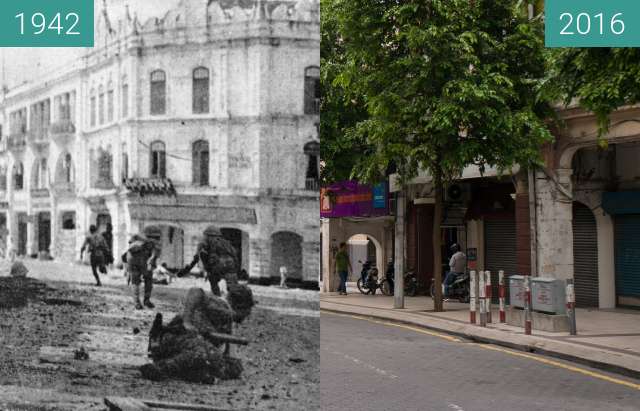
(368,281)
(458,290)
(387,286)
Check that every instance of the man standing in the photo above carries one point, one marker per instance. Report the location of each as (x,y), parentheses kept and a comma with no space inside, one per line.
(217,258)
(343,268)
(98,249)
(457,266)
(141,260)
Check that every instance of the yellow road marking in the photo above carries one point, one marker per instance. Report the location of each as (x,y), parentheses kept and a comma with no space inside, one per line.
(391,324)
(561,365)
(494,348)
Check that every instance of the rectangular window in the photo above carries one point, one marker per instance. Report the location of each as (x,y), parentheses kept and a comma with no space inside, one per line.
(125,101)
(110,106)
(69,220)
(158,169)
(158,93)
(93,111)
(101,109)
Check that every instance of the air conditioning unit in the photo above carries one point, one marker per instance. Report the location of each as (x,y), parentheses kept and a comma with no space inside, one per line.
(457,193)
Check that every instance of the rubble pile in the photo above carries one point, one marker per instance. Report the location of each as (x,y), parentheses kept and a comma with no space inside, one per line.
(194,346)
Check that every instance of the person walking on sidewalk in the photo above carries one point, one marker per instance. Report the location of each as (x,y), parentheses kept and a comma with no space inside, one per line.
(140,261)
(98,249)
(343,267)
(457,266)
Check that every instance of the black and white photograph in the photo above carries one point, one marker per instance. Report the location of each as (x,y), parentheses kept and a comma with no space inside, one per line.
(159,211)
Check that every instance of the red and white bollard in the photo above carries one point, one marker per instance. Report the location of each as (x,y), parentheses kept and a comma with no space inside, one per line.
(482,298)
(571,307)
(488,293)
(502,293)
(527,305)
(473,299)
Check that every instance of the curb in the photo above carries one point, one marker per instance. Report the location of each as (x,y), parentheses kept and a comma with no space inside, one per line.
(613,368)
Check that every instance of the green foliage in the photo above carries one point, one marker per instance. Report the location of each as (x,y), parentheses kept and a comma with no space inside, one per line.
(601,79)
(445,84)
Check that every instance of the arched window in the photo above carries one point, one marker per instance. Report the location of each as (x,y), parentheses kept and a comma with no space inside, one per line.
(312,90)
(158,92)
(110,102)
(201,90)
(18,176)
(3,178)
(158,160)
(92,106)
(125,166)
(41,174)
(67,168)
(105,162)
(201,163)
(312,176)
(125,97)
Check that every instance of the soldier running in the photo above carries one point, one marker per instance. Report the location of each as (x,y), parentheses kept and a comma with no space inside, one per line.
(140,261)
(98,249)
(217,258)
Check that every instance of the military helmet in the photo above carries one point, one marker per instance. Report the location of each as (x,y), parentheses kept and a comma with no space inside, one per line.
(212,231)
(152,232)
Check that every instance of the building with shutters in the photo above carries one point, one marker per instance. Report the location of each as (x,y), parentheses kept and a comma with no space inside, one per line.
(207,115)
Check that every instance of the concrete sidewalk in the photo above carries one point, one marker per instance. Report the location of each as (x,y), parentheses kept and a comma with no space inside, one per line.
(607,339)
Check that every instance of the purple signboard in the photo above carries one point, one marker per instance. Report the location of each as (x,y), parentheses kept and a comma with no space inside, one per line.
(351,199)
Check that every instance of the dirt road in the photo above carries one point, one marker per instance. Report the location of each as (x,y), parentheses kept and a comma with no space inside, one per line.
(37,345)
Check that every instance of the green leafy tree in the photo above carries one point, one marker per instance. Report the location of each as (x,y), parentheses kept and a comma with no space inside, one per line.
(445,84)
(600,79)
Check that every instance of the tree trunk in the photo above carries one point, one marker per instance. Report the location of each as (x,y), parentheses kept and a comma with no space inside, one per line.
(437,236)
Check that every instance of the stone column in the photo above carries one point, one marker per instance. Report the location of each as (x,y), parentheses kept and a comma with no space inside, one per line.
(329,278)
(523,225)
(606,260)
(554,225)
(260,258)
(310,261)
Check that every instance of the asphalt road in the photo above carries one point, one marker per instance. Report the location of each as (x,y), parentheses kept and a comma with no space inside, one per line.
(374,365)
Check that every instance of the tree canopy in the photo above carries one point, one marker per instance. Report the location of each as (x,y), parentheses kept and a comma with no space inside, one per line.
(444,84)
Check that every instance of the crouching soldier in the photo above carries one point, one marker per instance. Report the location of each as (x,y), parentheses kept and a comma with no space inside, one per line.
(217,258)
(140,261)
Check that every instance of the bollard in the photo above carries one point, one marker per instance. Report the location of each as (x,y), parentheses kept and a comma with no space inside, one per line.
(571,307)
(473,277)
(501,296)
(488,294)
(481,298)
(527,305)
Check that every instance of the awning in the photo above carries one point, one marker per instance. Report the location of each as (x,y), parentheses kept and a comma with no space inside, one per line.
(623,202)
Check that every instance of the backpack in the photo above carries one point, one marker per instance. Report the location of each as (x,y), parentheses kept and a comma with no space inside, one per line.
(97,245)
(217,254)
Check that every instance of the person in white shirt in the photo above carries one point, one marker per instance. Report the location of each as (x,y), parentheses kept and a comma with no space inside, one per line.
(457,266)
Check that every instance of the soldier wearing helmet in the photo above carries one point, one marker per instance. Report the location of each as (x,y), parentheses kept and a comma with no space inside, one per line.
(217,258)
(141,260)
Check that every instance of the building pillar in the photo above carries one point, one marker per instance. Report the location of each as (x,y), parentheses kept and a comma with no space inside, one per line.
(606,260)
(398,299)
(55,227)
(31,234)
(310,261)
(329,278)
(260,258)
(554,225)
(523,225)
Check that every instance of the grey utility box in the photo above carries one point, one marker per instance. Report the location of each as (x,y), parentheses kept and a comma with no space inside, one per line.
(516,291)
(548,295)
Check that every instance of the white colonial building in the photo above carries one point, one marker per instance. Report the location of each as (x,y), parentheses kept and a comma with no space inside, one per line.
(207,116)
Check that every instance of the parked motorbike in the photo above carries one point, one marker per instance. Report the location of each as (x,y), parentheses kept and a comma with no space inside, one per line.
(458,290)
(368,281)
(387,286)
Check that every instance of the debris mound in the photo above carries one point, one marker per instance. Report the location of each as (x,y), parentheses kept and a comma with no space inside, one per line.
(81,354)
(194,346)
(16,291)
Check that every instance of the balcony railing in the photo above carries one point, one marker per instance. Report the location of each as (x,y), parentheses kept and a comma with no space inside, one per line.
(62,127)
(312,184)
(39,136)
(40,192)
(146,186)
(17,142)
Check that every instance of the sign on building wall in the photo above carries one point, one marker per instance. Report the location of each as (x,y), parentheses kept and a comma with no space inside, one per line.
(351,199)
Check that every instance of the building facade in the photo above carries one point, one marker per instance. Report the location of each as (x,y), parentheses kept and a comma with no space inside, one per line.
(206,116)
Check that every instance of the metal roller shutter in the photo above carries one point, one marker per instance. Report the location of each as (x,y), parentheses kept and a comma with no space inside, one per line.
(500,249)
(585,256)
(627,241)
